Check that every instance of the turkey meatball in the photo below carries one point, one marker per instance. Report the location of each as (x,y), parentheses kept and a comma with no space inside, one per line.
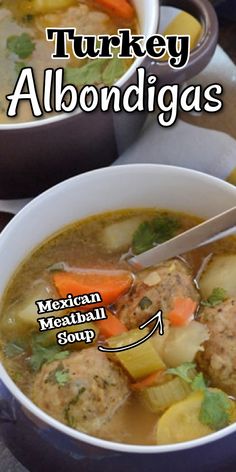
(84,390)
(156,289)
(219,357)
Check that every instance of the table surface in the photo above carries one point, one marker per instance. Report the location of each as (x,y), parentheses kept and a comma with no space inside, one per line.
(227,32)
(7,462)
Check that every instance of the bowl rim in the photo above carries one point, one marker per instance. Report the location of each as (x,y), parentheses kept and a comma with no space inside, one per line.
(39,414)
(153,26)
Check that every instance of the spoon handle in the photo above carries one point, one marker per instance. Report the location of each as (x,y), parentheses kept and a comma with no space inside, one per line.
(209,231)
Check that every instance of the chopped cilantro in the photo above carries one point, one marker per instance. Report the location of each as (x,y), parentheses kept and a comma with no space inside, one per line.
(216,406)
(218,295)
(88,74)
(19,66)
(67,414)
(215,409)
(145,303)
(198,383)
(165,227)
(41,354)
(21,45)
(59,376)
(96,71)
(114,69)
(144,238)
(62,377)
(183,371)
(13,349)
(187,372)
(154,232)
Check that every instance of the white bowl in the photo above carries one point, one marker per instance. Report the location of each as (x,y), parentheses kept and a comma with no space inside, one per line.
(98,191)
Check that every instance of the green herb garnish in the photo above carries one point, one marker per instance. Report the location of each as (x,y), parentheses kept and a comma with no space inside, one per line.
(96,71)
(21,45)
(144,238)
(59,376)
(68,417)
(90,73)
(198,383)
(114,69)
(187,372)
(218,295)
(216,406)
(154,232)
(184,371)
(13,349)
(62,377)
(41,355)
(145,303)
(215,409)
(165,227)
(19,66)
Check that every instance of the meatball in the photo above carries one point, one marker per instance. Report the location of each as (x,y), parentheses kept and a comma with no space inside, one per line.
(156,289)
(218,360)
(84,390)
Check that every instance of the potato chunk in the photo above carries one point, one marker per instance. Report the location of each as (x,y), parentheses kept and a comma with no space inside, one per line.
(220,272)
(183,343)
(118,236)
(44,6)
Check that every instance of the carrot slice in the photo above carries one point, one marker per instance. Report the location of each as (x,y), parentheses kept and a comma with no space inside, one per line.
(112,326)
(182,312)
(121,8)
(110,284)
(147,381)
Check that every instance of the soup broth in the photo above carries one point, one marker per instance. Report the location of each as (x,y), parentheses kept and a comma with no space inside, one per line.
(43,371)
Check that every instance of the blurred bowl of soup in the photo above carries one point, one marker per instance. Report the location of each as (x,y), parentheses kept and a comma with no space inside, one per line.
(38,153)
(27,429)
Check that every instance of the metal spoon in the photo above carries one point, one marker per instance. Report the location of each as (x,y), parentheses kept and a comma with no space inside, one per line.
(211,230)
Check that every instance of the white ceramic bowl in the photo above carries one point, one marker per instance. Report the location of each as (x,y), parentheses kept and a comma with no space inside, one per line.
(92,193)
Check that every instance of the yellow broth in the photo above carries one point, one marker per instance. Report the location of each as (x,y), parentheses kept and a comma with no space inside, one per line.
(81,245)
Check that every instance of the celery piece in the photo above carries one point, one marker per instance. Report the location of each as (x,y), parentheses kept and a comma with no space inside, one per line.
(141,360)
(161,397)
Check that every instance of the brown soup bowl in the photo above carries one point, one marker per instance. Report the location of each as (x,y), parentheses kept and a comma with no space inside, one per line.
(38,154)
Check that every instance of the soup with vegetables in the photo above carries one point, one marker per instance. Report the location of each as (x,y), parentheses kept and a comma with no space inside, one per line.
(171,388)
(23,42)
